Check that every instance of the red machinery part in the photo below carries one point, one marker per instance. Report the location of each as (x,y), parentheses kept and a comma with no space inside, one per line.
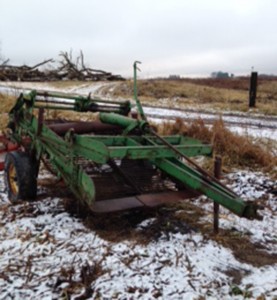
(5,146)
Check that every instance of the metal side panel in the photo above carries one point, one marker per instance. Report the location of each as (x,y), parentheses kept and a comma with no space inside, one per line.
(152,200)
(106,206)
(149,200)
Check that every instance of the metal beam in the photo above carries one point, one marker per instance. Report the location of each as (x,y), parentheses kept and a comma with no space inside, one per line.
(191,179)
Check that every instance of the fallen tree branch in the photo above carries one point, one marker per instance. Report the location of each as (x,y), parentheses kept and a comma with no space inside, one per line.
(66,69)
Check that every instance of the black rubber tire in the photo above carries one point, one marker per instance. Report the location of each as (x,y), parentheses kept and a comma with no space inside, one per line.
(25,169)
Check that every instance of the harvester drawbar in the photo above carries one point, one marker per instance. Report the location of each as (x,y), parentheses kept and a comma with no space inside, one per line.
(117,162)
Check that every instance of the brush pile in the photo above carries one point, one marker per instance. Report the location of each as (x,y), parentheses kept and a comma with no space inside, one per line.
(49,70)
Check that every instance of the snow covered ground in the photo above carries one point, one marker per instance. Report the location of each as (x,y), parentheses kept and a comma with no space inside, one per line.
(47,253)
(236,126)
(15,88)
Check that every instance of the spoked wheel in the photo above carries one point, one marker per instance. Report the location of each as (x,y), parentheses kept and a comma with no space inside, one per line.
(20,176)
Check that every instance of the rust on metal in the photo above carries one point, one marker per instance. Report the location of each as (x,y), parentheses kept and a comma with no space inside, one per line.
(139,201)
(40,120)
(106,206)
(5,146)
(123,163)
(217,174)
(206,176)
(127,179)
(85,127)
(156,199)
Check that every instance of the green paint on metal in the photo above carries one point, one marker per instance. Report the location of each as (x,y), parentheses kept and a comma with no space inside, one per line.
(62,156)
(111,140)
(197,181)
(125,122)
(151,152)
(139,106)
(190,179)
(138,143)
(95,151)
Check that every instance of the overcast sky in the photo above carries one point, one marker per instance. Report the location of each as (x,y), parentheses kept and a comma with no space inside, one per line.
(182,37)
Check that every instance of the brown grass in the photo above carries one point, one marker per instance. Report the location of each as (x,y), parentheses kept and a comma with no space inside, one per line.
(231,94)
(70,115)
(237,151)
(238,83)
(6,103)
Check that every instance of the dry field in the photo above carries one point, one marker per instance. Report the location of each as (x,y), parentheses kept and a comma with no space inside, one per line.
(213,94)
(203,94)
(236,151)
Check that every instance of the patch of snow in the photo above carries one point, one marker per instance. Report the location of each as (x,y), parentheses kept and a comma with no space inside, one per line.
(253,186)
(264,133)
(259,127)
(40,240)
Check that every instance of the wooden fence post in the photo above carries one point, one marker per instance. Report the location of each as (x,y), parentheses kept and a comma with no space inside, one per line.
(253,89)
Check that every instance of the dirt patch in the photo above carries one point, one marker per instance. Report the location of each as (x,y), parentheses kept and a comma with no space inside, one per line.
(183,218)
(129,225)
(244,250)
(164,224)
(236,275)
(88,274)
(116,227)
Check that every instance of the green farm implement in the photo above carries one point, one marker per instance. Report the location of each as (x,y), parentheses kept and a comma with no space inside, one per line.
(115,163)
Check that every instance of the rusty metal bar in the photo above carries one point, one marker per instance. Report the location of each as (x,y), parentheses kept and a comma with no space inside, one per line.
(40,120)
(85,127)
(206,175)
(5,146)
(124,176)
(217,174)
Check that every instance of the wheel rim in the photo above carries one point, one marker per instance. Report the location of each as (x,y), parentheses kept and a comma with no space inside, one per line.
(12,176)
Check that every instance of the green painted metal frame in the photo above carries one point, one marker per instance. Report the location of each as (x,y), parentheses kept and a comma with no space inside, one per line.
(62,153)
(99,149)
(42,99)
